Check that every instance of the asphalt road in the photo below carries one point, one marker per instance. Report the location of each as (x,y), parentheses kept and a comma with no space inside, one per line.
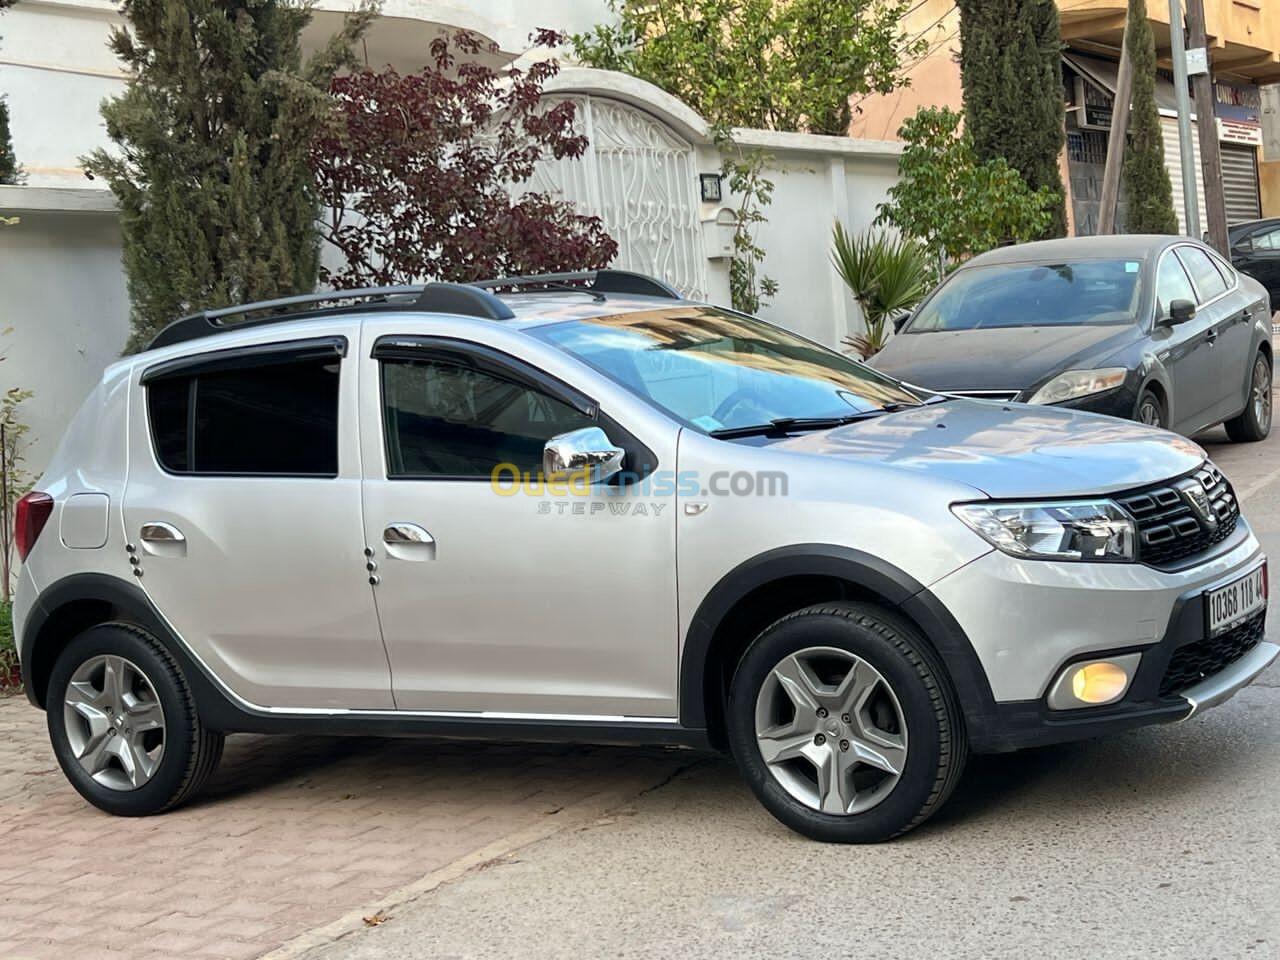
(1163,842)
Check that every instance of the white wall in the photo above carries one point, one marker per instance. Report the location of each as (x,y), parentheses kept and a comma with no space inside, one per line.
(63,294)
(818,180)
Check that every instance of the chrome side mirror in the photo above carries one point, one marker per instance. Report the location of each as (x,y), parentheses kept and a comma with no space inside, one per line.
(587,449)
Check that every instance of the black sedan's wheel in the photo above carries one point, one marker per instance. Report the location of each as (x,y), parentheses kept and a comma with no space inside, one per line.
(1254,423)
(844,725)
(1151,411)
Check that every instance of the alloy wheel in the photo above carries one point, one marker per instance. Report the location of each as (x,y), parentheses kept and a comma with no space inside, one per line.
(1149,412)
(114,722)
(1261,393)
(831,730)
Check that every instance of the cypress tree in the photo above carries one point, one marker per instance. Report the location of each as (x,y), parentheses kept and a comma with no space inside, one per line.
(1146,179)
(1011,70)
(212,176)
(10,172)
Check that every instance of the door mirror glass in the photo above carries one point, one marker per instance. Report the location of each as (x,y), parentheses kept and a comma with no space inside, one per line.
(588,449)
(1180,311)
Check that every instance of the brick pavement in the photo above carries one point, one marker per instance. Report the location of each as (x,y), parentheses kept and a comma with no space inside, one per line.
(291,834)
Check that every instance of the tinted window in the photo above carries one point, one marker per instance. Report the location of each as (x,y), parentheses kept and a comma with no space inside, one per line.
(1228,272)
(1267,241)
(1172,284)
(716,370)
(1204,274)
(280,419)
(445,420)
(1087,292)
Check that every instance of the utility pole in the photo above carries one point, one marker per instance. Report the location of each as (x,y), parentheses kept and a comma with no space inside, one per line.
(1116,141)
(1190,196)
(1210,150)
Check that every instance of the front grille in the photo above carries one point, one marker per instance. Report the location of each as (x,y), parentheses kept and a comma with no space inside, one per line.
(1184,517)
(1204,658)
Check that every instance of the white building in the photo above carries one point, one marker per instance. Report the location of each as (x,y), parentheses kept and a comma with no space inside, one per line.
(61,285)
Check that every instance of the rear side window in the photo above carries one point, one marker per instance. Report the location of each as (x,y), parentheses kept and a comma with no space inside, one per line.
(270,419)
(443,420)
(1204,274)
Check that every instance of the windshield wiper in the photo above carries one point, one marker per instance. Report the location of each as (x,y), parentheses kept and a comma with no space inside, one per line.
(780,426)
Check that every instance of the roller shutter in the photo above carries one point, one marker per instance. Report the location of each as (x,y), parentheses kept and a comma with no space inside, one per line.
(1172,162)
(1240,182)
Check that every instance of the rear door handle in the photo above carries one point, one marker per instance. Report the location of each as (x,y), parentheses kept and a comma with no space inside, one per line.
(158,532)
(408,541)
(162,539)
(1211,334)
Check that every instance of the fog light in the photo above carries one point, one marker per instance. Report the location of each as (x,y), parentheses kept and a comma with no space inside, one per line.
(1098,682)
(1093,683)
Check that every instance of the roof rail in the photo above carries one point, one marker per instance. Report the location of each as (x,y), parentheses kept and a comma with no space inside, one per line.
(596,281)
(467,299)
(442,297)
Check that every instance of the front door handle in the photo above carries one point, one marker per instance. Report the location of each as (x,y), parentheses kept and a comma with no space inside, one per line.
(1211,335)
(408,541)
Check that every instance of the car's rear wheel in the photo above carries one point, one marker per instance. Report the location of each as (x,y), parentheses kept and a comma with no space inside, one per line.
(844,725)
(123,723)
(1254,423)
(1151,410)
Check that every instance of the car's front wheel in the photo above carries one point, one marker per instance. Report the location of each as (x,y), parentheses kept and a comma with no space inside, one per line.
(1151,411)
(843,722)
(123,723)
(1254,423)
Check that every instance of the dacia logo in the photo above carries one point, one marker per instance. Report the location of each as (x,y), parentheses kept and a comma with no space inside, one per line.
(1197,498)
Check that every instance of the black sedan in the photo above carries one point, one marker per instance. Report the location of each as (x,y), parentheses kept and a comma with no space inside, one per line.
(1255,250)
(1156,329)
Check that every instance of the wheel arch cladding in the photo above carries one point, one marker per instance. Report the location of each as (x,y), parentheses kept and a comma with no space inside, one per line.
(766,587)
(66,609)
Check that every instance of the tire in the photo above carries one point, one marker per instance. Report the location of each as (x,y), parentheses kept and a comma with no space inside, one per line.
(1150,410)
(169,763)
(906,697)
(1254,423)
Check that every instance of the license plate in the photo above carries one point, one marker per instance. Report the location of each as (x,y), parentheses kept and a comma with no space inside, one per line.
(1237,601)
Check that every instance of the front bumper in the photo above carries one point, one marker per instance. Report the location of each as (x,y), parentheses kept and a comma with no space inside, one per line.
(1028,620)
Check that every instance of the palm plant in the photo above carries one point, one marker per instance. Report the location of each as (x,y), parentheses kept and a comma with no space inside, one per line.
(887,274)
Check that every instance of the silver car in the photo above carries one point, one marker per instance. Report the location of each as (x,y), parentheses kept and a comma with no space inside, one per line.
(586,509)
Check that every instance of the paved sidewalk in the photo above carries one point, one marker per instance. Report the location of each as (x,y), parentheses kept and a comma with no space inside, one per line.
(292,833)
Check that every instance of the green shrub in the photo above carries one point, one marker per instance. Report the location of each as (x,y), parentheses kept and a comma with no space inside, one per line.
(888,276)
(8,651)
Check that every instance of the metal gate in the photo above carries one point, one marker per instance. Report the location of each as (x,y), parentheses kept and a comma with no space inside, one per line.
(1240,183)
(641,179)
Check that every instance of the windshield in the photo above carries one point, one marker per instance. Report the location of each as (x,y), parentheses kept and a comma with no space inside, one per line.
(1087,292)
(717,370)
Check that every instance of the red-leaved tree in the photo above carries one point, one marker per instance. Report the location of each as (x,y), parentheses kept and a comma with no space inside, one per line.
(419,175)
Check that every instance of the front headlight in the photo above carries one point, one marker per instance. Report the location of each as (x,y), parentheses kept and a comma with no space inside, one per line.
(1096,531)
(1079,383)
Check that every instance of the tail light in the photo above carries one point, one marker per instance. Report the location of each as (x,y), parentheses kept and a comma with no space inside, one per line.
(29,518)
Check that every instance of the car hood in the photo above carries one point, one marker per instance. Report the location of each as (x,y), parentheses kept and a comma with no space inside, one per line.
(1010,450)
(1008,358)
